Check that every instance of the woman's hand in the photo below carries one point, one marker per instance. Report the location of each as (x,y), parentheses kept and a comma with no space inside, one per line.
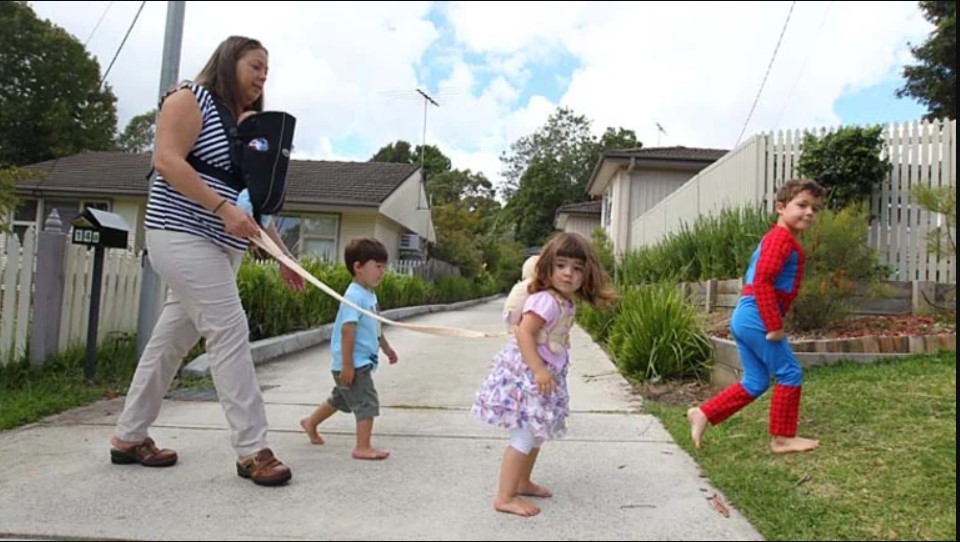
(237,222)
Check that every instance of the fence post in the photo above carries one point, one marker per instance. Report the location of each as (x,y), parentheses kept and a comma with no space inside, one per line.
(924,296)
(48,297)
(711,298)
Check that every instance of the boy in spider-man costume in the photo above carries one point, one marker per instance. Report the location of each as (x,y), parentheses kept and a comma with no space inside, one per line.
(771,284)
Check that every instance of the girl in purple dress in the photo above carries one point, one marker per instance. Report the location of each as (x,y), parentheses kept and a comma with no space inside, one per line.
(526,390)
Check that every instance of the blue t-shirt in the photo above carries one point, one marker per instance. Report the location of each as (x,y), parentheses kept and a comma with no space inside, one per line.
(366,346)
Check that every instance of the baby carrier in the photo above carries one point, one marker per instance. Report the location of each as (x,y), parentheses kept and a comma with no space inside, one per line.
(259,156)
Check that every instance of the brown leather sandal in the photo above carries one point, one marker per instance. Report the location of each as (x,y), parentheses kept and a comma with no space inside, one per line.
(264,469)
(146,453)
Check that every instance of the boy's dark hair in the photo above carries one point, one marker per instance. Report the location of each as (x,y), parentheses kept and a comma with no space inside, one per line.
(363,249)
(791,188)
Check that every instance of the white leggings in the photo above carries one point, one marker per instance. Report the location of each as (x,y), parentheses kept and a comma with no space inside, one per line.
(523,440)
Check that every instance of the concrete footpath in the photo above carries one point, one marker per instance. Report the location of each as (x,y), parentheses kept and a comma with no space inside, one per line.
(617,476)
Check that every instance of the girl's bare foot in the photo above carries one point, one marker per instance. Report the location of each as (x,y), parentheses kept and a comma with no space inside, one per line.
(517,506)
(533,490)
(369,453)
(311,430)
(786,445)
(698,424)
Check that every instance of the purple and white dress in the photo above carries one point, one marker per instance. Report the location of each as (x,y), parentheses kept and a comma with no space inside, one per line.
(509,398)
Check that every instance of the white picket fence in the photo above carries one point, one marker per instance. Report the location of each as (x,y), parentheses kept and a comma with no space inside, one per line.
(920,153)
(119,294)
(405,267)
(16,293)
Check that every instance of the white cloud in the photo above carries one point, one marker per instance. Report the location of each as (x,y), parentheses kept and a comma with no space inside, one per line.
(348,71)
(697,67)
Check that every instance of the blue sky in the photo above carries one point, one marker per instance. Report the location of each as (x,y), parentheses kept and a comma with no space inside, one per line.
(878,104)
(348,71)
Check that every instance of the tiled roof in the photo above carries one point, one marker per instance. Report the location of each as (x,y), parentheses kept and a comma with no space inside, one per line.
(308,181)
(694,154)
(581,208)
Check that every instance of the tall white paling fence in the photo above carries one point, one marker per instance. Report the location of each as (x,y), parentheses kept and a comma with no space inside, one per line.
(920,153)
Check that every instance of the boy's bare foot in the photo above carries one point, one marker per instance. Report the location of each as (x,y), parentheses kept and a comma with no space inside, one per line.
(698,424)
(311,430)
(533,490)
(516,506)
(369,453)
(786,445)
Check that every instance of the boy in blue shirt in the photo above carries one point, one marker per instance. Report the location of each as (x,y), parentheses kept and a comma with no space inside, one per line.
(355,344)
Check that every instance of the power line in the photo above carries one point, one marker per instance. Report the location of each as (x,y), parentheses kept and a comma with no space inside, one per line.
(120,48)
(94,31)
(772,58)
(803,66)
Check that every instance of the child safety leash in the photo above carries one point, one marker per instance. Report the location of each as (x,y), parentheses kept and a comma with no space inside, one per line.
(266,243)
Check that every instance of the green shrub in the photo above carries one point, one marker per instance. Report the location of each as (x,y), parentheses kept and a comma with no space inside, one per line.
(595,322)
(715,246)
(837,260)
(849,163)
(273,309)
(656,334)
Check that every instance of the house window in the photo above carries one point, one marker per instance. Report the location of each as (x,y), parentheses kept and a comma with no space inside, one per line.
(68,209)
(312,236)
(25,216)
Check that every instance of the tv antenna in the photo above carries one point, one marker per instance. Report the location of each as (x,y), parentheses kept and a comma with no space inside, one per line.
(427,101)
(660,130)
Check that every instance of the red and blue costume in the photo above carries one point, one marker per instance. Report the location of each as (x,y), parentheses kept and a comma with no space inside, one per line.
(771,284)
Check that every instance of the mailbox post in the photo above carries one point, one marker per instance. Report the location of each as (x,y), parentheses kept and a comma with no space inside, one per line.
(99,230)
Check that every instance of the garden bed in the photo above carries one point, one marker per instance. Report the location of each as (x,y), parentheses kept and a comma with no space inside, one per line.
(859,338)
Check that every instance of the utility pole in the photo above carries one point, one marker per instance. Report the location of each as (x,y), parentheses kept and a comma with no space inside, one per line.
(150,291)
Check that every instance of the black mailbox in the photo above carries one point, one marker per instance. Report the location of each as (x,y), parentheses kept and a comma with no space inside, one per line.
(97,228)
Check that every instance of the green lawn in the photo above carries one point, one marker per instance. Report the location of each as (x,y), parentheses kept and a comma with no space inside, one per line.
(885,470)
(28,395)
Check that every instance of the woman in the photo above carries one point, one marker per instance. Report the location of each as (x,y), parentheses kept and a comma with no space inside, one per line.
(196,237)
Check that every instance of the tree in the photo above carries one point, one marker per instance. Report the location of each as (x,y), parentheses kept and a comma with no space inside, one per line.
(565,138)
(434,161)
(543,188)
(51,104)
(847,163)
(552,167)
(465,213)
(472,190)
(139,134)
(933,80)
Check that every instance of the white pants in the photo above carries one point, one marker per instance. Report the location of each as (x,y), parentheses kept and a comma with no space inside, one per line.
(523,441)
(203,301)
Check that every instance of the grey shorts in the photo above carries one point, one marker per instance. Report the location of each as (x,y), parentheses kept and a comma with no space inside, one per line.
(360,397)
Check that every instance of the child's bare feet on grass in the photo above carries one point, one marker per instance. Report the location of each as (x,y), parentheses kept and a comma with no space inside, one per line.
(517,506)
(311,430)
(533,490)
(786,445)
(369,453)
(698,424)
